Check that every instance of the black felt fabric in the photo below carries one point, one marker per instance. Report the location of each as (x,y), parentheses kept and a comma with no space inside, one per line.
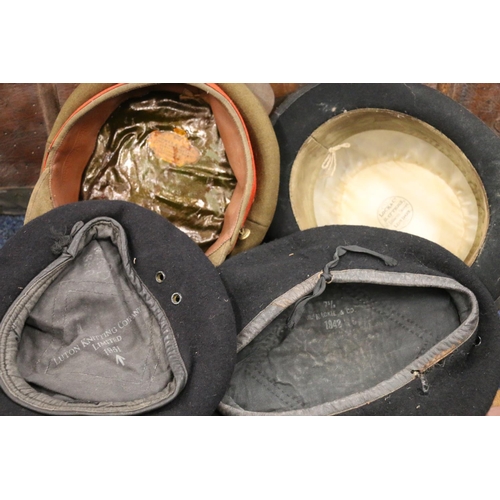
(203,323)
(467,381)
(298,116)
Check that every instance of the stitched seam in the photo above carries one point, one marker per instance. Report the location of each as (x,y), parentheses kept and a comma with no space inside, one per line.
(64,323)
(262,380)
(151,353)
(361,297)
(403,317)
(120,380)
(97,282)
(253,363)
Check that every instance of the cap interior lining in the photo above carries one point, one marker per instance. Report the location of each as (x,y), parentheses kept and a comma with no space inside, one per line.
(353,344)
(86,333)
(73,148)
(385,169)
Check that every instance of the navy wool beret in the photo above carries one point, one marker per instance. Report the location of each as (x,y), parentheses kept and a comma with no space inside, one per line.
(107,308)
(395,156)
(357,320)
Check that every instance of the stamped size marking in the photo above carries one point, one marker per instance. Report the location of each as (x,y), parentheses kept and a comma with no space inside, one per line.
(395,212)
(329,304)
(111,350)
(66,355)
(91,270)
(106,341)
(329,314)
(120,360)
(331,324)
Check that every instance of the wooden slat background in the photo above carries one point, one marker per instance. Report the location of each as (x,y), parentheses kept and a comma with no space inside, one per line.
(27,112)
(23,129)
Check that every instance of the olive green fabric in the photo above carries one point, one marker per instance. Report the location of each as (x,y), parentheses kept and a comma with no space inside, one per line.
(265,94)
(78,97)
(40,200)
(265,151)
(267,164)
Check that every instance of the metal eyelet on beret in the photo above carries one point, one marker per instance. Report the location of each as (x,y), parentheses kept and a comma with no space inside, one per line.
(176,298)
(160,277)
(477,342)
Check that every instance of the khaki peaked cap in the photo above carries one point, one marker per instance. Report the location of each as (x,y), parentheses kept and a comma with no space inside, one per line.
(251,209)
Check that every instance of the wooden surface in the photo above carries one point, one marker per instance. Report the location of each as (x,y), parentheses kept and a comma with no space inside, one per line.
(281,90)
(22,135)
(27,112)
(482,99)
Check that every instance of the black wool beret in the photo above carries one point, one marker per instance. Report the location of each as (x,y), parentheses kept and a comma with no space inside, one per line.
(395,156)
(356,320)
(107,308)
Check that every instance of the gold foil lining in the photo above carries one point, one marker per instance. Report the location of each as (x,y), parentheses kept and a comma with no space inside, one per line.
(163,152)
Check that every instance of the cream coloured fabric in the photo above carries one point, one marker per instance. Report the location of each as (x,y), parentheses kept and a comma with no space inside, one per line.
(410,187)
(388,179)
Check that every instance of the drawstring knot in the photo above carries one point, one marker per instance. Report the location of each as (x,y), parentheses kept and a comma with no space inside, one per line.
(326,278)
(62,240)
(330,162)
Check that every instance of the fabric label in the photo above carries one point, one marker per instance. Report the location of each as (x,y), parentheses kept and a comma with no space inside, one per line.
(107,342)
(173,147)
(395,212)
